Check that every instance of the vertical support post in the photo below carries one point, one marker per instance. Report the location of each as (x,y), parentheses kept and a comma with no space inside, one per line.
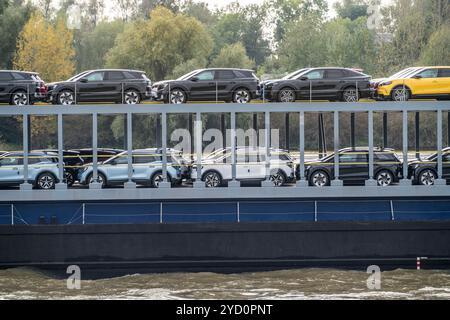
(95,184)
(392,211)
(26,149)
(385,130)
(191,132)
(319,119)
(267,183)
(61,185)
(316,212)
(287,131)
(84,213)
(353,130)
(417,129)
(129,134)
(166,183)
(440,180)
(405,181)
(336,182)
(255,127)
(302,182)
(223,130)
(234,183)
(161,220)
(371,182)
(198,147)
(238,212)
(158,131)
(12,214)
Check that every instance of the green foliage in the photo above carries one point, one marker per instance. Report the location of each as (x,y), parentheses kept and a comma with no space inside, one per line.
(233,56)
(437,51)
(351,9)
(188,66)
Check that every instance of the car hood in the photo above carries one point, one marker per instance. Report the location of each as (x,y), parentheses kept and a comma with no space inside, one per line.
(159,83)
(378,80)
(53,84)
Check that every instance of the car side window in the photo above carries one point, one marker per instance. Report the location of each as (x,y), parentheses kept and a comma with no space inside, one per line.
(5,76)
(430,73)
(446,157)
(142,159)
(9,161)
(334,74)
(206,76)
(352,158)
(225,75)
(96,76)
(115,75)
(315,75)
(444,73)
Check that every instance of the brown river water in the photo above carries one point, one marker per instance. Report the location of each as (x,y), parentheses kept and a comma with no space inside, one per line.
(322,284)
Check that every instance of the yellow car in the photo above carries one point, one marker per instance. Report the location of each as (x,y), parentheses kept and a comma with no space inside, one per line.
(426,82)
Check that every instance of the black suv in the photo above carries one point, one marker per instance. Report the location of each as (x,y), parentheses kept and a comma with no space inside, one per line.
(333,84)
(119,86)
(237,85)
(21,88)
(424,172)
(354,167)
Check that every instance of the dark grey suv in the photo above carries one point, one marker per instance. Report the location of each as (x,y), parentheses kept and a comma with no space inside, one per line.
(108,85)
(354,167)
(237,85)
(21,88)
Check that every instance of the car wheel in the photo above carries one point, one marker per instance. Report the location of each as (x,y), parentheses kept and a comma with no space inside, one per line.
(19,98)
(427,177)
(177,96)
(320,179)
(46,181)
(286,95)
(101,179)
(350,95)
(212,180)
(400,94)
(278,179)
(66,98)
(70,178)
(242,96)
(384,178)
(157,179)
(132,97)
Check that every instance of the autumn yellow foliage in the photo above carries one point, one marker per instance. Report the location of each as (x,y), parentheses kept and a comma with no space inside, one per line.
(46,48)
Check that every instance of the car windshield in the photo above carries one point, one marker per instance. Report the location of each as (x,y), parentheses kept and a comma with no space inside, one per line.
(295,74)
(74,78)
(187,76)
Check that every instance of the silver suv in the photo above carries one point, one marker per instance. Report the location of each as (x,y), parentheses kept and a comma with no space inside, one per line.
(43,171)
(250,165)
(147,169)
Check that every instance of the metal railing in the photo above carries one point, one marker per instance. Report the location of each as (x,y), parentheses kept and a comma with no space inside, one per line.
(232,109)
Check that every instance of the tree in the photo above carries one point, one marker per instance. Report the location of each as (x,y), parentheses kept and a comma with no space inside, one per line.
(233,56)
(52,56)
(160,44)
(437,52)
(198,10)
(351,9)
(127,9)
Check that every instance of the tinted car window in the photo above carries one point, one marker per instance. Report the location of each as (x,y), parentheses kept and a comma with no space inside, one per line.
(334,74)
(444,73)
(226,75)
(115,75)
(385,157)
(10,161)
(96,76)
(141,159)
(315,75)
(447,157)
(353,158)
(430,73)
(19,76)
(206,76)
(5,76)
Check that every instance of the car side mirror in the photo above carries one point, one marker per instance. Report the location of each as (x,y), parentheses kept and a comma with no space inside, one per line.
(84,80)
(195,79)
(304,78)
(417,77)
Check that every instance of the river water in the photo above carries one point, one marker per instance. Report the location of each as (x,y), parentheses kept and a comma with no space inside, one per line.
(292,285)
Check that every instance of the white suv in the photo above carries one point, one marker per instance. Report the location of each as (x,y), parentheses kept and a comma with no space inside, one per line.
(147,169)
(250,165)
(43,171)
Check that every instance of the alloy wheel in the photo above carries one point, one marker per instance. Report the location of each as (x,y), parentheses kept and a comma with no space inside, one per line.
(277,179)
(157,179)
(427,178)
(212,180)
(287,95)
(242,96)
(320,179)
(131,97)
(350,95)
(46,182)
(100,179)
(70,179)
(66,98)
(384,179)
(177,97)
(400,94)
(20,99)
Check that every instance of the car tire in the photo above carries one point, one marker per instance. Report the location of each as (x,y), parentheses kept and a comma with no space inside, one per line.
(46,181)
(212,179)
(242,96)
(101,179)
(66,98)
(278,179)
(177,96)
(384,178)
(131,97)
(319,179)
(287,95)
(427,177)
(350,94)
(157,178)
(70,178)
(19,98)
(400,94)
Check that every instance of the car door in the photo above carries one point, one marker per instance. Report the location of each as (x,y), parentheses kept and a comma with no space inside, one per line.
(333,82)
(425,82)
(114,85)
(315,83)
(204,87)
(92,87)
(226,80)
(5,85)
(446,165)
(9,169)
(117,170)
(444,81)
(144,165)
(353,166)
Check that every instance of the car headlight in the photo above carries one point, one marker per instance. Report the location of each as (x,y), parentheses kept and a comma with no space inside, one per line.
(387,83)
